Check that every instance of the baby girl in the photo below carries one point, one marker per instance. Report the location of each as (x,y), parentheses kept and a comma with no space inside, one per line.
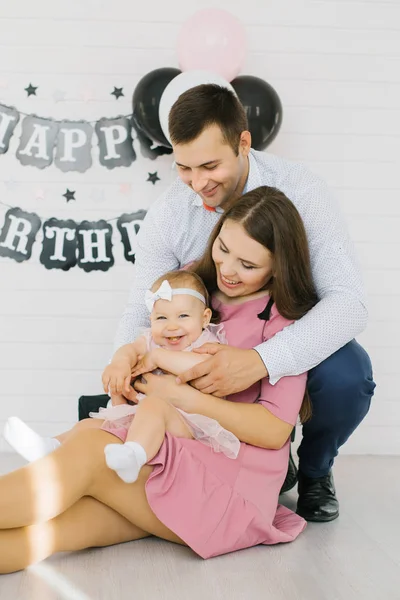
(180,321)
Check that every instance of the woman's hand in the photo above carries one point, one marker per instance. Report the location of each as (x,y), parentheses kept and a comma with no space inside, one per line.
(165,387)
(145,364)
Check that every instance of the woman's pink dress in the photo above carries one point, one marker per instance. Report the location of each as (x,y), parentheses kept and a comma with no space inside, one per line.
(217,505)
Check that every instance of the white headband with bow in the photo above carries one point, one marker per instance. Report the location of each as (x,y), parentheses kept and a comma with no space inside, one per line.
(165,292)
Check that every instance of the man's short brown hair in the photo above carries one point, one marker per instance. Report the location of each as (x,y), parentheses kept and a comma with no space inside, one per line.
(205,105)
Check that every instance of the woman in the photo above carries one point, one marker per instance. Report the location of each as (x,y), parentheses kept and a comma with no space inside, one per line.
(257,268)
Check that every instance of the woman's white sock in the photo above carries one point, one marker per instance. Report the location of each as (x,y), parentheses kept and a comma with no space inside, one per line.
(27,442)
(126,460)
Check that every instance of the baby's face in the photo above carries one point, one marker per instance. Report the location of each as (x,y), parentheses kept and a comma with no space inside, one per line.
(177,324)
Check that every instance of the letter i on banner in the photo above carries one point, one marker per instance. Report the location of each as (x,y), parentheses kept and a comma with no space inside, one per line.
(95,246)
(18,234)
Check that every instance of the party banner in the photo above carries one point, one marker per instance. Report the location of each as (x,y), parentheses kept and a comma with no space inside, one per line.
(67,243)
(68,144)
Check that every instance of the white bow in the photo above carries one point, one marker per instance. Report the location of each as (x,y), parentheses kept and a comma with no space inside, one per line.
(164,292)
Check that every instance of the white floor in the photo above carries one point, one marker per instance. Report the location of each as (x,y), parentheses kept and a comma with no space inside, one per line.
(356,557)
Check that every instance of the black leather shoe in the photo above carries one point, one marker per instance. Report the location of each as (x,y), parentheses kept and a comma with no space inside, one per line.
(291,476)
(317,498)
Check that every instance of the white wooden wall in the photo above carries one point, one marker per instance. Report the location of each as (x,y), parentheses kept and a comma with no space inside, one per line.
(336,67)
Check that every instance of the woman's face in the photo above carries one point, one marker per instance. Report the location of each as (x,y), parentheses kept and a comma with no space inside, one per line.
(243,265)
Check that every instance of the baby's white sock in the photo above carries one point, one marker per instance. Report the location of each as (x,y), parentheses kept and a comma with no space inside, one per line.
(27,442)
(126,460)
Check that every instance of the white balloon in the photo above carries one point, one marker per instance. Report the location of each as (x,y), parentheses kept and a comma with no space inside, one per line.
(181,83)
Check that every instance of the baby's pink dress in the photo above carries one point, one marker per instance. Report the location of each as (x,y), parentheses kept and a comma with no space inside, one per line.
(208,431)
(217,505)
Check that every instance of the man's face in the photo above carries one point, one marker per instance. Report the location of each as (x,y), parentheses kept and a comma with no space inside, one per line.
(210,166)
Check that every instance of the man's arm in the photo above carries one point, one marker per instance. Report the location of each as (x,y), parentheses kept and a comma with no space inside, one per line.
(340,314)
(153,257)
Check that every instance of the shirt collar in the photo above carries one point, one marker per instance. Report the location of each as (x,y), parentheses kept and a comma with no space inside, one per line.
(253,181)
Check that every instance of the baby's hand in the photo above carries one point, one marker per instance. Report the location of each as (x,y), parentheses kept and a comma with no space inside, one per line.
(116,377)
(118,399)
(145,364)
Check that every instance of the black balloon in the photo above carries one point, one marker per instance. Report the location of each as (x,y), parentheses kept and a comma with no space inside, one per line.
(146,144)
(263,108)
(146,102)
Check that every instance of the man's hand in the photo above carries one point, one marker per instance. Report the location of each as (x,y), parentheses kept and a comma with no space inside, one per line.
(227,371)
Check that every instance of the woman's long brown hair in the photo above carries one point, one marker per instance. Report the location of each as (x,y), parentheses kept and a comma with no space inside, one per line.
(272,220)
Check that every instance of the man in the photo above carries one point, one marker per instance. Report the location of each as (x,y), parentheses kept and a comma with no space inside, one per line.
(212,149)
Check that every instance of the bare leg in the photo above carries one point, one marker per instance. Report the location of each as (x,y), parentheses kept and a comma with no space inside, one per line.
(32,446)
(87,524)
(46,488)
(79,426)
(153,418)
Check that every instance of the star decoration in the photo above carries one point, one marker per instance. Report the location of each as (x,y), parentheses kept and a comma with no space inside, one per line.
(153,177)
(117,92)
(69,195)
(31,90)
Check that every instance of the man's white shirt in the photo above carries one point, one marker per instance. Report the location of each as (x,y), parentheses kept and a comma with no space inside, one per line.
(175,232)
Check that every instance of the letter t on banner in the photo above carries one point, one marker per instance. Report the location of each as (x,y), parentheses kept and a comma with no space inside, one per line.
(59,248)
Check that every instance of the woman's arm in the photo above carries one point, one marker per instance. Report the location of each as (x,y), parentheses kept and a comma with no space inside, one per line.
(251,423)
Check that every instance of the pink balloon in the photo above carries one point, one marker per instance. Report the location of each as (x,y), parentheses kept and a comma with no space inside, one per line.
(212,40)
